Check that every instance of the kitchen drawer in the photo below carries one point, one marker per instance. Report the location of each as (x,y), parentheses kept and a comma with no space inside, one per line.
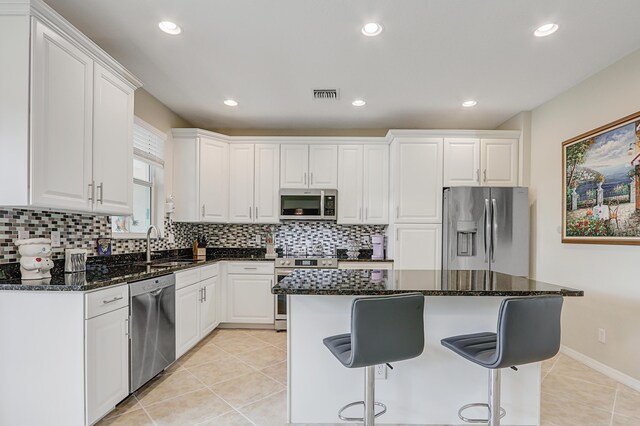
(186,278)
(259,268)
(107,300)
(209,271)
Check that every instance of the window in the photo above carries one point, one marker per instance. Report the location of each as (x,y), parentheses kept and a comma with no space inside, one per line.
(148,178)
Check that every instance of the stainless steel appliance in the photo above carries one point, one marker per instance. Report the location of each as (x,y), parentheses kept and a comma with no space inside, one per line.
(308,204)
(153,336)
(284,266)
(486,229)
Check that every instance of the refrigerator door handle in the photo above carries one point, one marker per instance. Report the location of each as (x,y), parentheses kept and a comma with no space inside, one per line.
(494,232)
(487,228)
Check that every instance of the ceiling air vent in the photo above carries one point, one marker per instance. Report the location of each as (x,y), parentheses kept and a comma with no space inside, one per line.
(326,94)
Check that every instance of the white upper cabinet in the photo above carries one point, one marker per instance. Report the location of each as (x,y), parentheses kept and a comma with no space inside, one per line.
(323,166)
(71,148)
(350,176)
(112,143)
(363,184)
(267,187)
(461,162)
(294,166)
(61,116)
(241,182)
(213,180)
(418,180)
(486,162)
(309,166)
(376,184)
(499,162)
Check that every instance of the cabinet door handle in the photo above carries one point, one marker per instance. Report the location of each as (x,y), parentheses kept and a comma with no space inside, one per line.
(256,212)
(478,175)
(484,174)
(115,299)
(397,212)
(91,191)
(201,295)
(203,210)
(250,212)
(127,330)
(204,291)
(101,188)
(311,181)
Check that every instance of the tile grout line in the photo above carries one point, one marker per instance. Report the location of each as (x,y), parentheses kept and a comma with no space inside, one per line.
(145,411)
(613,409)
(234,409)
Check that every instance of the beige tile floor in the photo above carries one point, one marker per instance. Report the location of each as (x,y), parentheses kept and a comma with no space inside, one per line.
(239,377)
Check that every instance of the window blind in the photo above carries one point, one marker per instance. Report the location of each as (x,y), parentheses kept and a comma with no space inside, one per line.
(148,146)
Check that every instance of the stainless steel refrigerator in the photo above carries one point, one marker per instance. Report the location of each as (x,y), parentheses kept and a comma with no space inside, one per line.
(486,229)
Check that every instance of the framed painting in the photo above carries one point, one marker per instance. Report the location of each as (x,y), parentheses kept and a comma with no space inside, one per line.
(600,185)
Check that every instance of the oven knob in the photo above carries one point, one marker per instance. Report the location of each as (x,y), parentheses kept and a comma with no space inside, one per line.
(324,262)
(282,262)
(288,262)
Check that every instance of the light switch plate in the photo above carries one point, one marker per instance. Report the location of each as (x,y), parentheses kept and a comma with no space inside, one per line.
(55,239)
(258,239)
(23,235)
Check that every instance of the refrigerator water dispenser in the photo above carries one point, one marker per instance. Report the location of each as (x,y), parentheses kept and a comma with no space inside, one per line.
(466,231)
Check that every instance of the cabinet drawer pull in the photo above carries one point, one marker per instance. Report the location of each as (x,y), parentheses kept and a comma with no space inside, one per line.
(115,299)
(250,268)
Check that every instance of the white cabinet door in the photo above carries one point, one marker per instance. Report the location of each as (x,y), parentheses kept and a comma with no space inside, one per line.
(323,166)
(461,162)
(214,180)
(294,166)
(350,184)
(241,167)
(61,116)
(418,174)
(375,185)
(208,311)
(112,143)
(499,162)
(418,246)
(250,299)
(188,301)
(267,186)
(107,362)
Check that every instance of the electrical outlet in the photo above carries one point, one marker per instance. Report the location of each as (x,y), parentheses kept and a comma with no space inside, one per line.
(258,239)
(23,235)
(381,372)
(55,239)
(602,335)
(171,238)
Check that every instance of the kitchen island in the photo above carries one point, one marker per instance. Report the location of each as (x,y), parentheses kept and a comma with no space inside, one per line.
(428,389)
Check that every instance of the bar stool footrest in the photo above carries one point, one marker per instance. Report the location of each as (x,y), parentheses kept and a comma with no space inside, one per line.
(477,404)
(360,419)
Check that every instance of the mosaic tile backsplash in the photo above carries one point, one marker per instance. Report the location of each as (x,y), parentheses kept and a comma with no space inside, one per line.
(81,231)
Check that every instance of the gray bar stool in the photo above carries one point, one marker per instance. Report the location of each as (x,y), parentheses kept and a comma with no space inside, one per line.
(528,331)
(383,330)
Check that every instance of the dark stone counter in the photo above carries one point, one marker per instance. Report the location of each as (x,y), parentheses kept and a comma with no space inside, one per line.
(428,282)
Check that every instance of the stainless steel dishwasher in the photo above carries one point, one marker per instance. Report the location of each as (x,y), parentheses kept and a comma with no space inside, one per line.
(153,331)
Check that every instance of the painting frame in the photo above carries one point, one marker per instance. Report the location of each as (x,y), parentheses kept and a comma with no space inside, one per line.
(634,187)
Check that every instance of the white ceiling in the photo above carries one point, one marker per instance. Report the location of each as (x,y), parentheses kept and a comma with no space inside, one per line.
(431,56)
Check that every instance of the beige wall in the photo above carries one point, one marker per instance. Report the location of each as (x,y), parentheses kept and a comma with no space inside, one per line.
(609,275)
(154,112)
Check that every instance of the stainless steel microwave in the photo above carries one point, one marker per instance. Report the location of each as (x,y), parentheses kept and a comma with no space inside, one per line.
(308,204)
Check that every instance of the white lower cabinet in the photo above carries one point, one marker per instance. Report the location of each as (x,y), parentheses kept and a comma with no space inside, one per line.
(418,246)
(197,300)
(249,299)
(107,362)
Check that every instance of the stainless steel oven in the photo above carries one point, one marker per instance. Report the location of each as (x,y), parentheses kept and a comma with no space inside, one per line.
(284,267)
(308,204)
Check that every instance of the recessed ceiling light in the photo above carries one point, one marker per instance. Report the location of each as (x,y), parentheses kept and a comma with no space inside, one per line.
(358,103)
(469,103)
(170,27)
(545,30)
(230,102)
(372,29)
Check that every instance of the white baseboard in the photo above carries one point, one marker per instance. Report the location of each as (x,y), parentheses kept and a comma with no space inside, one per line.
(610,372)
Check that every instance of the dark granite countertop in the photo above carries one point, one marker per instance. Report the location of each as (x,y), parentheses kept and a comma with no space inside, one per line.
(104,272)
(427,282)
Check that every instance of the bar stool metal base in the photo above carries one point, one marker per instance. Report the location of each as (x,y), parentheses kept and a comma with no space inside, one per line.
(369,401)
(478,404)
(496,412)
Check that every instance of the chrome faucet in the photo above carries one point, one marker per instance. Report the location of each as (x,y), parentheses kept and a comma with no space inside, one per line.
(151,228)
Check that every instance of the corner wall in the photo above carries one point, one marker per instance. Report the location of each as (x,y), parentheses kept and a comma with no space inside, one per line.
(609,274)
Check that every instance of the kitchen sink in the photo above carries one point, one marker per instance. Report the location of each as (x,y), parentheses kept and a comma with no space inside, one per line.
(171,263)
